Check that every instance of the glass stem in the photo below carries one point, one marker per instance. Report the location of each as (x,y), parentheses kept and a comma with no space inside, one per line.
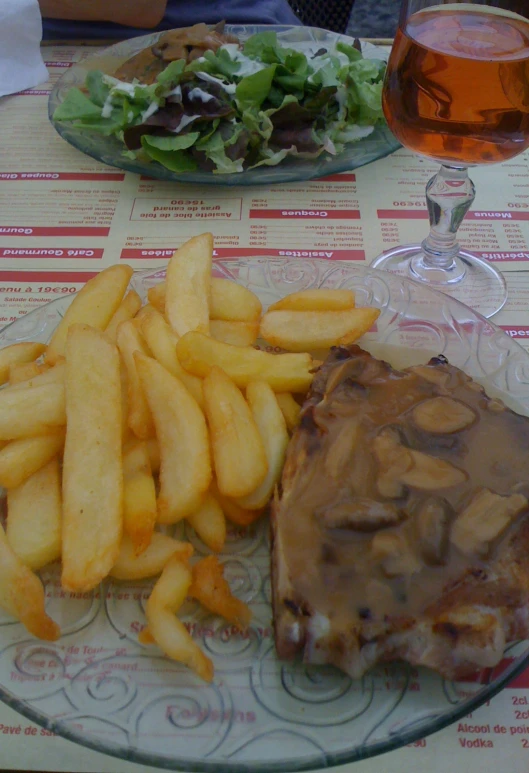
(449,196)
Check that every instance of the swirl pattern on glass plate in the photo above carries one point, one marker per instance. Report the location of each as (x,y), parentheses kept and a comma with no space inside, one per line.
(190,719)
(295,692)
(229,648)
(100,687)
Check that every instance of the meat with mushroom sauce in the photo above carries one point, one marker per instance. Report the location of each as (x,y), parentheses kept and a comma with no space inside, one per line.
(400,528)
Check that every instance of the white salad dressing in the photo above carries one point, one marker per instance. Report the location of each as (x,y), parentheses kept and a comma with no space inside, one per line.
(176,92)
(185,121)
(229,88)
(200,94)
(153,107)
(106,110)
(247,66)
(121,87)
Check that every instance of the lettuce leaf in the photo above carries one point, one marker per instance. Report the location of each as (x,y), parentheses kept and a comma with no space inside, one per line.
(97,89)
(175,160)
(215,150)
(76,105)
(263,46)
(104,126)
(172,75)
(215,63)
(175,142)
(352,53)
(254,89)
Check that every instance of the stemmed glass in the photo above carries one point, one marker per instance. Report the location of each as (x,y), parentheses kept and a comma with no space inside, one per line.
(457,92)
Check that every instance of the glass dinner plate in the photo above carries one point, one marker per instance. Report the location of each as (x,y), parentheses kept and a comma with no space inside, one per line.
(99,687)
(109,150)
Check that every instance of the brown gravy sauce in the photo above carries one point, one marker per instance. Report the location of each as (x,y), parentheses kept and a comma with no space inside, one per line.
(355,401)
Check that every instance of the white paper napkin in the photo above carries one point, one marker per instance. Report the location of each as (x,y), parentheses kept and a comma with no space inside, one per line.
(21,65)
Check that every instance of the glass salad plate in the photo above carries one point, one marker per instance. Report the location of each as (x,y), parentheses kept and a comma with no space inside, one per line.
(110,150)
(98,686)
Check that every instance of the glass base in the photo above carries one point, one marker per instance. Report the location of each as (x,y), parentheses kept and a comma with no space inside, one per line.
(469,279)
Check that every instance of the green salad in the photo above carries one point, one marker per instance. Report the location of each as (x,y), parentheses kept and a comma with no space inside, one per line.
(239,107)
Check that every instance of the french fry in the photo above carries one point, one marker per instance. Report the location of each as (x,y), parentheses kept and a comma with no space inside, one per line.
(168,595)
(299,331)
(273,430)
(153,449)
(199,353)
(139,416)
(233,302)
(146,637)
(22,594)
(146,309)
(20,459)
(50,375)
(34,517)
(290,409)
(228,301)
(232,510)
(127,309)
(210,524)
(354,334)
(31,411)
(139,495)
(210,588)
(185,466)
(188,285)
(19,373)
(92,466)
(320,299)
(162,341)
(235,333)
(126,431)
(238,452)
(156,296)
(151,562)
(94,305)
(18,354)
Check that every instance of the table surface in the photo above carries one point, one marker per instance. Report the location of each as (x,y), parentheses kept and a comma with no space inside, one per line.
(64,216)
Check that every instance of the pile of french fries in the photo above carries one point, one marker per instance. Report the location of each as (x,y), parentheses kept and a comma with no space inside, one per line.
(138,415)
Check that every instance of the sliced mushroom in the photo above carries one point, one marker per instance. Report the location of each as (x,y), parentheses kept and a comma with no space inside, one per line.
(394,460)
(361,514)
(342,448)
(432,519)
(361,473)
(340,372)
(433,374)
(429,473)
(389,487)
(483,520)
(394,554)
(442,415)
(495,405)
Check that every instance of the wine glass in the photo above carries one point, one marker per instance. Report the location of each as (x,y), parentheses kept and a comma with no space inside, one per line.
(457,92)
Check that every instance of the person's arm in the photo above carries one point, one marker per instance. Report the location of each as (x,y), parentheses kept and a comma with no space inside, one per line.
(132,13)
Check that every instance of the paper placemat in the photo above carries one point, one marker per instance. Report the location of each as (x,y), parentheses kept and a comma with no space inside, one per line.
(64,216)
